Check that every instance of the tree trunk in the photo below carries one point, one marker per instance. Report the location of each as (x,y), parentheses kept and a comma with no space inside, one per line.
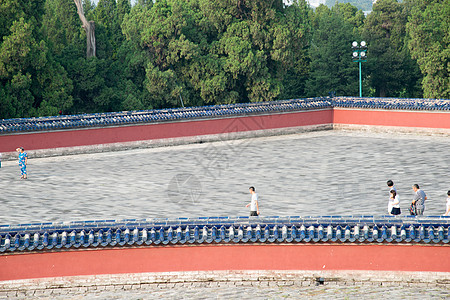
(89,27)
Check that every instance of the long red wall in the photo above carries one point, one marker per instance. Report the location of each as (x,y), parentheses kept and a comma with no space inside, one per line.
(226,257)
(121,134)
(417,119)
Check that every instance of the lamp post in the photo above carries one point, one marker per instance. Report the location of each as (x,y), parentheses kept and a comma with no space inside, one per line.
(359,55)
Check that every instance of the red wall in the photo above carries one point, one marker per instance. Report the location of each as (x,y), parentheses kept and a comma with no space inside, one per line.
(418,119)
(226,257)
(120,134)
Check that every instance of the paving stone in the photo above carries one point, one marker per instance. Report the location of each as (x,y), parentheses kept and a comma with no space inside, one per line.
(335,291)
(325,156)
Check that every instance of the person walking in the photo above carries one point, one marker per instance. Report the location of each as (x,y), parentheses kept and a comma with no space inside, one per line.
(394,200)
(254,207)
(447,212)
(23,161)
(419,201)
(391,186)
(394,203)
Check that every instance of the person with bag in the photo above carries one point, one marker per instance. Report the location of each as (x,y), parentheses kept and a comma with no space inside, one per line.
(394,203)
(418,204)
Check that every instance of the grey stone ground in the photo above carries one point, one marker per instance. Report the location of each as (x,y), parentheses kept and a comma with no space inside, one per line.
(260,290)
(236,284)
(317,173)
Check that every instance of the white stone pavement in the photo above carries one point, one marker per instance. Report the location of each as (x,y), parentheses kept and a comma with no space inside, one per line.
(316,173)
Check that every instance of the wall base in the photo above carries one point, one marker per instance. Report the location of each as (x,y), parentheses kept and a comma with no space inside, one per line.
(81,284)
(393,129)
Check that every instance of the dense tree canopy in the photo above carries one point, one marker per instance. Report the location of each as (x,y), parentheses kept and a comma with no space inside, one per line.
(392,71)
(32,82)
(331,66)
(157,54)
(429,31)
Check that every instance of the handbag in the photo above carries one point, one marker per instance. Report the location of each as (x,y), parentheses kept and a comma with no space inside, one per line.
(412,209)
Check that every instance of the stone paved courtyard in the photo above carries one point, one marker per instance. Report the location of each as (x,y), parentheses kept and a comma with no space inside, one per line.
(318,173)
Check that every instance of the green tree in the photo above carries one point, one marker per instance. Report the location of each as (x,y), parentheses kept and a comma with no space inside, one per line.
(24,65)
(105,12)
(351,14)
(123,8)
(217,51)
(429,30)
(12,10)
(295,65)
(56,90)
(61,25)
(332,68)
(392,72)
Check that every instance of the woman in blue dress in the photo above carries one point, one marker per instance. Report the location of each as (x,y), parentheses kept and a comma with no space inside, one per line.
(23,160)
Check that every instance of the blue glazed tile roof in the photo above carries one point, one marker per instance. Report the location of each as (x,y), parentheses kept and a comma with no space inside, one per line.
(214,111)
(338,229)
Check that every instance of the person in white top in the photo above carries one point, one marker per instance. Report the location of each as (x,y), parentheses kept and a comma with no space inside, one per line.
(447,212)
(254,208)
(394,203)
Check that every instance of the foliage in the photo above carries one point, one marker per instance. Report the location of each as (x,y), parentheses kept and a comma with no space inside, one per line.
(217,52)
(364,5)
(31,80)
(429,30)
(390,66)
(332,69)
(157,54)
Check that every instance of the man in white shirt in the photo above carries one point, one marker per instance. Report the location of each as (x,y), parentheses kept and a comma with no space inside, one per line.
(254,208)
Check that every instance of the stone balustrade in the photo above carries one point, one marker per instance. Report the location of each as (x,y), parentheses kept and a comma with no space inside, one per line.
(121,233)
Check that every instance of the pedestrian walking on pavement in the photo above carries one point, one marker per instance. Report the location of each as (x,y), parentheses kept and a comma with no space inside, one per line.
(254,207)
(23,161)
(391,186)
(418,203)
(394,203)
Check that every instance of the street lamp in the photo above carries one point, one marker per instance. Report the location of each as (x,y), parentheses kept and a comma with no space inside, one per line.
(359,55)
